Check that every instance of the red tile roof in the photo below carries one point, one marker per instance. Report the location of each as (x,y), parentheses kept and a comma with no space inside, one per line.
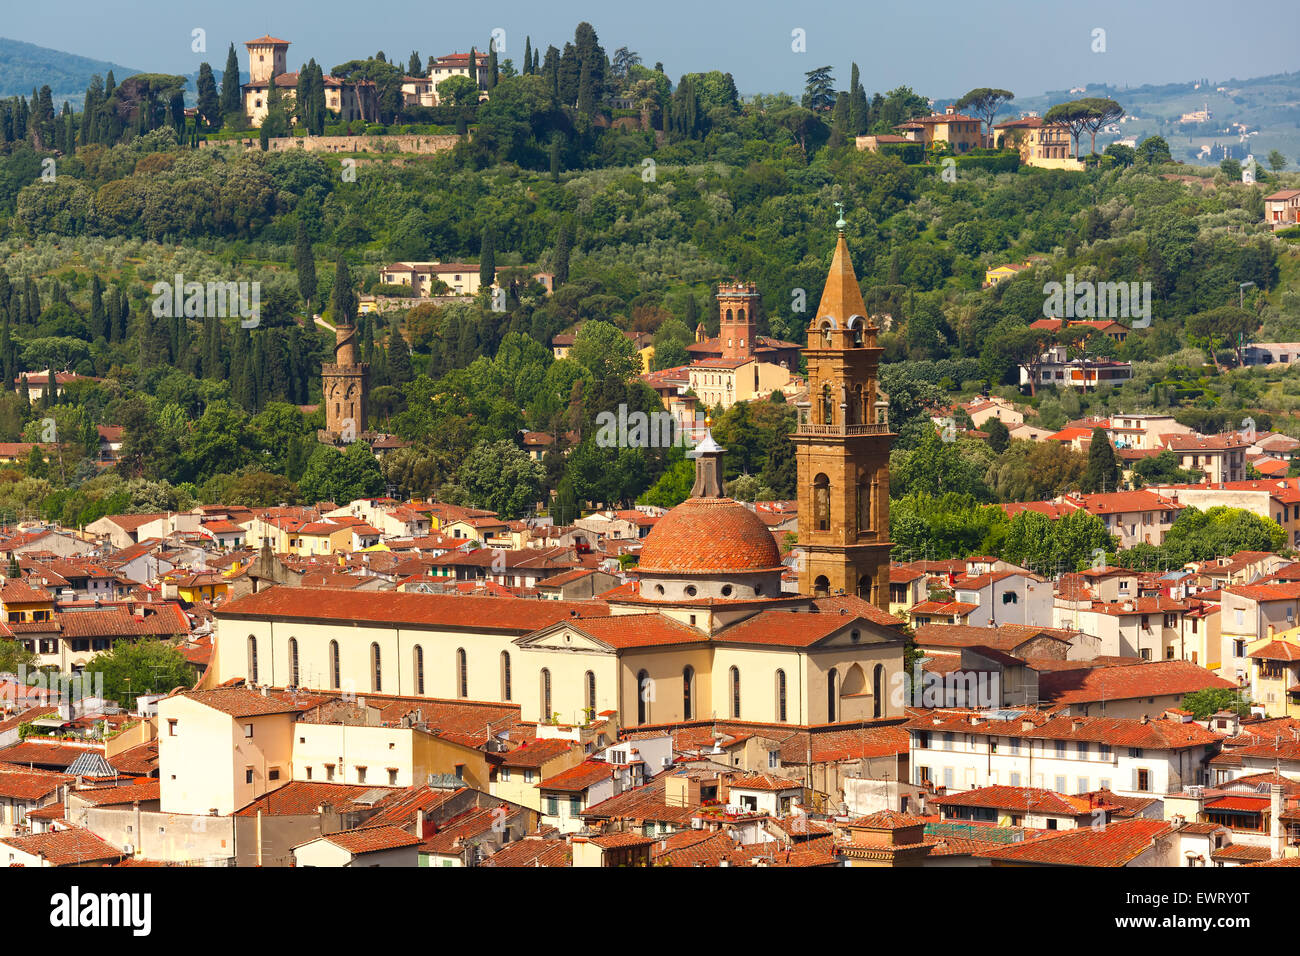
(578,778)
(709,535)
(1126,682)
(1116,844)
(446,611)
(65,847)
(371,839)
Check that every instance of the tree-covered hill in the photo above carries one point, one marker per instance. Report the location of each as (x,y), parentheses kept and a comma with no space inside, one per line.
(26,66)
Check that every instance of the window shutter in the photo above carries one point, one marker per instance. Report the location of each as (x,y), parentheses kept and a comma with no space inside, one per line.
(1135,778)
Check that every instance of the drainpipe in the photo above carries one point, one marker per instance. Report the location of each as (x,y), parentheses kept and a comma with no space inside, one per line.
(1277,838)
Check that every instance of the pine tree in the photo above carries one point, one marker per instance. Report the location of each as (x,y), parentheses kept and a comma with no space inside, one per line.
(232,106)
(487,260)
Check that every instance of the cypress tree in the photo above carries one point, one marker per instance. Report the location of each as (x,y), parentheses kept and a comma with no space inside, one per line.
(555,157)
(208,102)
(413,65)
(345,300)
(494,71)
(98,327)
(305,263)
(528,54)
(399,358)
(1102,473)
(562,255)
(487,260)
(231,104)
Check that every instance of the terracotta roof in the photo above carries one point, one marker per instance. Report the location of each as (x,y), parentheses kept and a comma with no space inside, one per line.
(1022,799)
(1148,679)
(709,536)
(532,851)
(537,752)
(65,847)
(516,615)
(1116,844)
(1276,651)
(128,793)
(578,778)
(21,783)
(370,840)
(763,781)
(243,702)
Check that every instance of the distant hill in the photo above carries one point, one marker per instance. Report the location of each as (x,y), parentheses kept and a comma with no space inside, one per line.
(1266,107)
(26,65)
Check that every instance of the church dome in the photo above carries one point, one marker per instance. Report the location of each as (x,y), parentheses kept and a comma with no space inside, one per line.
(709,536)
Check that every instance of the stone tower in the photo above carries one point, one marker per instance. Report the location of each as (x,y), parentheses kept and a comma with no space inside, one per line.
(842,447)
(267,57)
(737,322)
(345,388)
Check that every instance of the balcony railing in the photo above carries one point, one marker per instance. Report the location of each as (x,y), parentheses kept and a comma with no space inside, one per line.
(873,428)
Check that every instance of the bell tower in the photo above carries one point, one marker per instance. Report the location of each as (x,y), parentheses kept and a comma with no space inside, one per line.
(842,446)
(737,322)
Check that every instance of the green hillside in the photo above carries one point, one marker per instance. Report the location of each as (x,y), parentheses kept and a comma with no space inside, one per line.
(24,66)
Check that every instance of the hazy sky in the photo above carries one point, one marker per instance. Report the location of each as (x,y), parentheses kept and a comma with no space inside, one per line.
(939,47)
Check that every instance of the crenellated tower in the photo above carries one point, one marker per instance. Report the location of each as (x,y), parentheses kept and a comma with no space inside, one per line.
(345,388)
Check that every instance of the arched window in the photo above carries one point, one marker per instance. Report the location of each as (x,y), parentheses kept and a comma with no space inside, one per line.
(728,315)
(293,662)
(644,693)
(740,315)
(334,665)
(591,691)
(864,503)
(252,659)
(376,669)
(462,673)
(735,693)
(780,696)
(832,680)
(822,502)
(419,669)
(864,587)
(688,692)
(822,586)
(828,406)
(546,693)
(878,690)
(505,675)
(854,405)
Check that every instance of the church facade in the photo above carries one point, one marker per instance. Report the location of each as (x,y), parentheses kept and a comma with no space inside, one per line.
(703,632)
